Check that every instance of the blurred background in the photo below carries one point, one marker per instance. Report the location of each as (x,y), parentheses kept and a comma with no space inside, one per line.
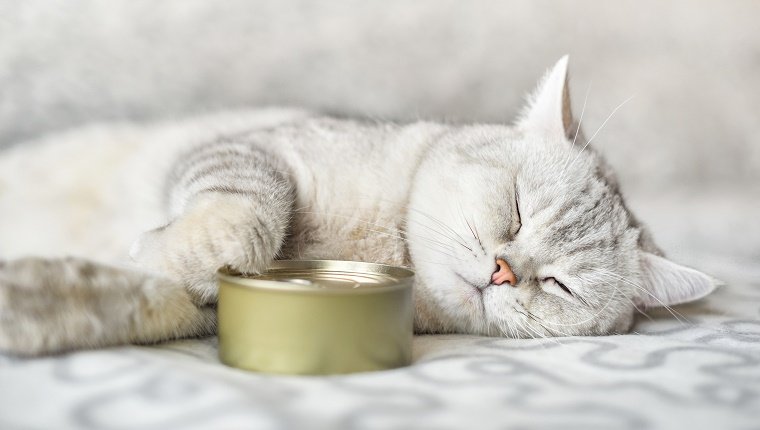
(687,146)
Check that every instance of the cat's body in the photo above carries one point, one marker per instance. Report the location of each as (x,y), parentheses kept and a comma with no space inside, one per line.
(352,189)
(512,230)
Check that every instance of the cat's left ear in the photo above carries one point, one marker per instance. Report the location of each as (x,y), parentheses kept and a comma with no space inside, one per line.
(665,283)
(548,108)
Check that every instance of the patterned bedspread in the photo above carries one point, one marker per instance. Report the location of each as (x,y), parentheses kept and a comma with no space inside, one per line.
(696,368)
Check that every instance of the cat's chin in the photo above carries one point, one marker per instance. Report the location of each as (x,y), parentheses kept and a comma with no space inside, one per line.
(447,304)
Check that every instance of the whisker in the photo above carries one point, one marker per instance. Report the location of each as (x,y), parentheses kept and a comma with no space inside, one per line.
(535,331)
(406,240)
(540,322)
(672,311)
(461,213)
(525,330)
(456,236)
(439,222)
(577,130)
(432,262)
(591,317)
(503,324)
(633,303)
(477,235)
(442,246)
(588,142)
(502,329)
(607,119)
(566,170)
(375,225)
(583,111)
(471,229)
(442,234)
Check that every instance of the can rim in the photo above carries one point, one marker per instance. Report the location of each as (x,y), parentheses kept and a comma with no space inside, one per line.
(403,275)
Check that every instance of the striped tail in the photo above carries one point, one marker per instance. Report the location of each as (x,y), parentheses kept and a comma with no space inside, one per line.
(49,306)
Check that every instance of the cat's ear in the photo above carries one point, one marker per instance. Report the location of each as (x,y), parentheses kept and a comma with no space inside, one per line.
(666,283)
(548,107)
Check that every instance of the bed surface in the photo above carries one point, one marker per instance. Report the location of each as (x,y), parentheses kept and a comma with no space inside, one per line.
(703,372)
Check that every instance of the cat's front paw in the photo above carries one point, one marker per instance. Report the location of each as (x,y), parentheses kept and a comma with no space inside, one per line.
(215,233)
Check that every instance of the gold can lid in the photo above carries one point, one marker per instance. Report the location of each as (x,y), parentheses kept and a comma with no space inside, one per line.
(324,276)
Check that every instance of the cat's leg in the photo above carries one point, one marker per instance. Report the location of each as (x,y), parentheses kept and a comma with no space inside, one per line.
(54,305)
(231,204)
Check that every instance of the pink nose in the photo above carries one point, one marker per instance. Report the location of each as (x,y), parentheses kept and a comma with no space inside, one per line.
(503,274)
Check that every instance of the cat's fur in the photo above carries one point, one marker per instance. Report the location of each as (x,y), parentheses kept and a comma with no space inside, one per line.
(240,190)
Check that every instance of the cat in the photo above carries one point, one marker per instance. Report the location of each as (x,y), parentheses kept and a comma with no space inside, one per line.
(517,231)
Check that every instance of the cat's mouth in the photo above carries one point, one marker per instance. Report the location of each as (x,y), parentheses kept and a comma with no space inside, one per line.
(479,287)
(476,292)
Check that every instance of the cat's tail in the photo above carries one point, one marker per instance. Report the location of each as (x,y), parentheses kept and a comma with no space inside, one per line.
(53,305)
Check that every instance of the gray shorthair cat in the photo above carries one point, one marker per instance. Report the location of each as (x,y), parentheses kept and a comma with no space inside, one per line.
(516,231)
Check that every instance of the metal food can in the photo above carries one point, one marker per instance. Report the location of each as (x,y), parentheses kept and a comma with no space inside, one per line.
(317,317)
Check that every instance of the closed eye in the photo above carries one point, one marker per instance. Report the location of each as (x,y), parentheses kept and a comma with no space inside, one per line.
(567,293)
(517,207)
(559,284)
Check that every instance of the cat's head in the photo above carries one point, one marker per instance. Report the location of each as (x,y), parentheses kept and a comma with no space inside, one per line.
(521,231)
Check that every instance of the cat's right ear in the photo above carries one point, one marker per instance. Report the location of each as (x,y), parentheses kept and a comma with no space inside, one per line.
(548,108)
(665,283)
